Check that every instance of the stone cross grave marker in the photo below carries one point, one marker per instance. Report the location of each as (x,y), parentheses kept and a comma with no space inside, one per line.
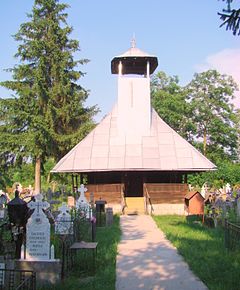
(82,203)
(63,223)
(38,231)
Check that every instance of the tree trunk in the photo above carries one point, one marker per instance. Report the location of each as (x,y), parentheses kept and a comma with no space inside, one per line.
(205,143)
(38,175)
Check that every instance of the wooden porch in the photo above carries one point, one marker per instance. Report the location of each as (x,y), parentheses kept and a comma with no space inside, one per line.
(152,194)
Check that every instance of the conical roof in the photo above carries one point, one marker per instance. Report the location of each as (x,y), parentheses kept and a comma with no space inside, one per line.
(104,149)
(134,61)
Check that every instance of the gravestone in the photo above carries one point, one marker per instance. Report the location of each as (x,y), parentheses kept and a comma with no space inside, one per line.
(238,208)
(91,198)
(63,223)
(82,204)
(204,190)
(2,276)
(3,201)
(109,216)
(228,189)
(38,231)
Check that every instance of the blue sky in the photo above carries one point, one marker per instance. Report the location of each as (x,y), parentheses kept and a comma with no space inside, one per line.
(184,35)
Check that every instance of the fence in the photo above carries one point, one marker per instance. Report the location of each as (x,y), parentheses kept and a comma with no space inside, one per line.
(232,235)
(17,280)
(82,230)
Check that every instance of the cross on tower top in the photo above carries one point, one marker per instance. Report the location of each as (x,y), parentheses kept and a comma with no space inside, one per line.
(133,42)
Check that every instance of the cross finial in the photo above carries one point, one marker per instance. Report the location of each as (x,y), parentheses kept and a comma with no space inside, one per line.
(133,41)
(82,189)
(38,204)
(64,208)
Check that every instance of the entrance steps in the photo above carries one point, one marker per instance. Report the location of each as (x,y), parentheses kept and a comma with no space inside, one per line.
(134,205)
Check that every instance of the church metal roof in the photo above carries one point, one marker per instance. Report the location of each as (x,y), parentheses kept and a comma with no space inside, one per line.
(134,61)
(104,149)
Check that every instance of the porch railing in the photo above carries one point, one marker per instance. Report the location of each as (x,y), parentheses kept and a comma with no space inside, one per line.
(123,200)
(147,200)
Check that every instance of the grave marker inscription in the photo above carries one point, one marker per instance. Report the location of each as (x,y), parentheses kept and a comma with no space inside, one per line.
(38,231)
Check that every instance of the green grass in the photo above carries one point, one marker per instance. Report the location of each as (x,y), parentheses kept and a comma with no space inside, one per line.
(203,249)
(105,273)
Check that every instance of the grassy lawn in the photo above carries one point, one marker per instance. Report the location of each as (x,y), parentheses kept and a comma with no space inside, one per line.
(104,278)
(203,249)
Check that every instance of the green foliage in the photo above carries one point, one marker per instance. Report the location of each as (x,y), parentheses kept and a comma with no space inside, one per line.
(227,172)
(201,112)
(168,99)
(204,251)
(231,18)
(209,94)
(47,116)
(105,276)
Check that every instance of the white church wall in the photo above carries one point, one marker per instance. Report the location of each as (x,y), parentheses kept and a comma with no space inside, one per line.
(167,208)
(134,109)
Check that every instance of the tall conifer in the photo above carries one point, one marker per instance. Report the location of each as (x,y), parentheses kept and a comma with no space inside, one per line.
(47,116)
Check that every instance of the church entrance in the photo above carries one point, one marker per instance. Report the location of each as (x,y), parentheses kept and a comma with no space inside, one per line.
(133,182)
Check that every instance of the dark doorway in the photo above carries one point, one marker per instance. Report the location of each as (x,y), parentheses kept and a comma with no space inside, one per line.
(133,184)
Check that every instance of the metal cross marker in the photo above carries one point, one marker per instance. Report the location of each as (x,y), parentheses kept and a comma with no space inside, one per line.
(38,204)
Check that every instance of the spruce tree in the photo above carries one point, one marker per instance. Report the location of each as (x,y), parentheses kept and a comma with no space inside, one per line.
(47,117)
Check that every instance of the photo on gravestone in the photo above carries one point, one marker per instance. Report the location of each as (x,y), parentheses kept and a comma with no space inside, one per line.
(38,231)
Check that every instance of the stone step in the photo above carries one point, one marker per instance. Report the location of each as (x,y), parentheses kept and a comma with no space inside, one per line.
(134,205)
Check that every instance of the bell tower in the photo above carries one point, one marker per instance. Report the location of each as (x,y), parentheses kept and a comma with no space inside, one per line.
(134,68)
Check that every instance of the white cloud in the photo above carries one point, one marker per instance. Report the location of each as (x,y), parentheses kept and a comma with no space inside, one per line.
(227,62)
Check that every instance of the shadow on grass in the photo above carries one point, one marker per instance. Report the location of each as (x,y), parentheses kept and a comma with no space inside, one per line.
(203,249)
(82,275)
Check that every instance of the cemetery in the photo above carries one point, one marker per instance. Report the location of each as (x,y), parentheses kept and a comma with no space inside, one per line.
(128,202)
(39,247)
(48,237)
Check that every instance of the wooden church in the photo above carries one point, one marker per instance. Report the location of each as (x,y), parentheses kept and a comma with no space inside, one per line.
(132,159)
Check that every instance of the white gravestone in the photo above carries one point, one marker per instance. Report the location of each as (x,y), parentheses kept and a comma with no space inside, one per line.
(82,204)
(3,201)
(228,189)
(38,231)
(63,223)
(204,190)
